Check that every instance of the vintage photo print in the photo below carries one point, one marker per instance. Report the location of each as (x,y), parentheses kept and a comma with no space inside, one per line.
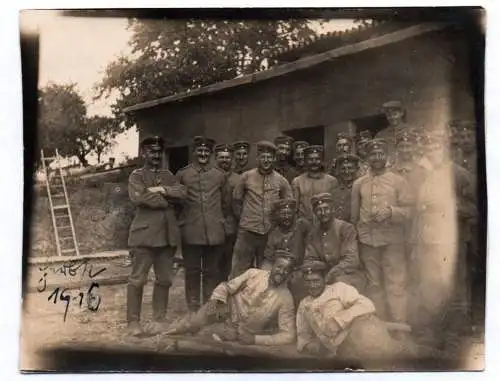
(245,190)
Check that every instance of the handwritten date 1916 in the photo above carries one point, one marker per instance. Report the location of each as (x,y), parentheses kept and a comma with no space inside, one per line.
(93,301)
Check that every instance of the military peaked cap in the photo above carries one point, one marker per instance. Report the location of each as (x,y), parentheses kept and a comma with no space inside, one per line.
(266,146)
(202,141)
(311,266)
(376,145)
(223,148)
(279,204)
(283,139)
(155,142)
(241,144)
(285,254)
(392,105)
(321,198)
(300,144)
(314,149)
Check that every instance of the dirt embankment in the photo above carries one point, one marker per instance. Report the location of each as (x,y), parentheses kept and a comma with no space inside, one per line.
(101,213)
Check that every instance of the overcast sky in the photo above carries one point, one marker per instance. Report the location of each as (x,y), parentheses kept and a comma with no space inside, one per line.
(79,49)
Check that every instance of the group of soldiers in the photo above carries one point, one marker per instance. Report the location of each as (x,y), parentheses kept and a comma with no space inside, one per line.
(345,257)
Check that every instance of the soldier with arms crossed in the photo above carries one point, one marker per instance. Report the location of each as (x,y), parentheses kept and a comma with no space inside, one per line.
(154,233)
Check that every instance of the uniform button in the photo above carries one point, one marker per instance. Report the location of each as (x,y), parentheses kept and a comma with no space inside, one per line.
(324,234)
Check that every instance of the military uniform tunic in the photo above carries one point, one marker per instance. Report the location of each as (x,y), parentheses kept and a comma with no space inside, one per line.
(202,220)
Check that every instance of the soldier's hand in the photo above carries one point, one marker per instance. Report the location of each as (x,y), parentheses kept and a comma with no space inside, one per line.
(221,312)
(245,337)
(212,306)
(314,348)
(331,276)
(157,190)
(382,215)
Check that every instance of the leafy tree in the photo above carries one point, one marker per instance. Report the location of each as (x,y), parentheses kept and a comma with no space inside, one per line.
(61,119)
(63,124)
(99,134)
(180,55)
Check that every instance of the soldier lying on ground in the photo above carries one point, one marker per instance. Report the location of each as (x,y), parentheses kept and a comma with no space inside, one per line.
(254,308)
(336,320)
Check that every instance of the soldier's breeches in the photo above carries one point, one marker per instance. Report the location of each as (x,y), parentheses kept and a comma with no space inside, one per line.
(386,271)
(201,262)
(249,247)
(160,258)
(227,258)
(441,281)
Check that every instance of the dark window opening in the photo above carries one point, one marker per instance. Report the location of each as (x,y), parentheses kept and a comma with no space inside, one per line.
(312,135)
(178,158)
(373,124)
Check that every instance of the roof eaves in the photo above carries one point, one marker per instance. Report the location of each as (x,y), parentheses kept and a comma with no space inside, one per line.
(300,64)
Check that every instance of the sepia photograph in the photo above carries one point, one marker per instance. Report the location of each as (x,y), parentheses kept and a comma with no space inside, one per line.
(253,190)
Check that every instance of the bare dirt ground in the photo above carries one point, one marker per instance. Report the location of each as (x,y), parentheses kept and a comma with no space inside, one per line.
(43,325)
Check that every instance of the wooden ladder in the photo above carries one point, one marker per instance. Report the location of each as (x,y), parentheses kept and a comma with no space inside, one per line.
(62,221)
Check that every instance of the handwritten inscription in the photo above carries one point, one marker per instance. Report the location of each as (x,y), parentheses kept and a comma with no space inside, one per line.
(71,269)
(88,299)
(93,301)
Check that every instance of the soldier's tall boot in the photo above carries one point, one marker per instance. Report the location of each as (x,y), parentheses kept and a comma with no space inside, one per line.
(134,305)
(160,302)
(192,289)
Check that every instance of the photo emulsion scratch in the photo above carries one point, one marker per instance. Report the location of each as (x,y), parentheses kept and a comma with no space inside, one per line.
(299,191)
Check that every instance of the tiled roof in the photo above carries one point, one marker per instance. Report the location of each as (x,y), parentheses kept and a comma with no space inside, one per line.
(337,39)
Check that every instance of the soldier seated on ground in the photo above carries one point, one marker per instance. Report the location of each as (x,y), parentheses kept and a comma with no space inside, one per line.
(290,233)
(255,308)
(335,243)
(336,320)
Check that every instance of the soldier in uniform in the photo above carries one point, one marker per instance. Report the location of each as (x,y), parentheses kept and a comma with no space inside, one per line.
(154,233)
(289,234)
(406,164)
(335,320)
(343,146)
(335,243)
(223,159)
(253,198)
(466,157)
(363,166)
(241,151)
(444,205)
(396,117)
(380,205)
(346,172)
(255,308)
(284,145)
(298,156)
(202,222)
(314,181)
(464,147)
